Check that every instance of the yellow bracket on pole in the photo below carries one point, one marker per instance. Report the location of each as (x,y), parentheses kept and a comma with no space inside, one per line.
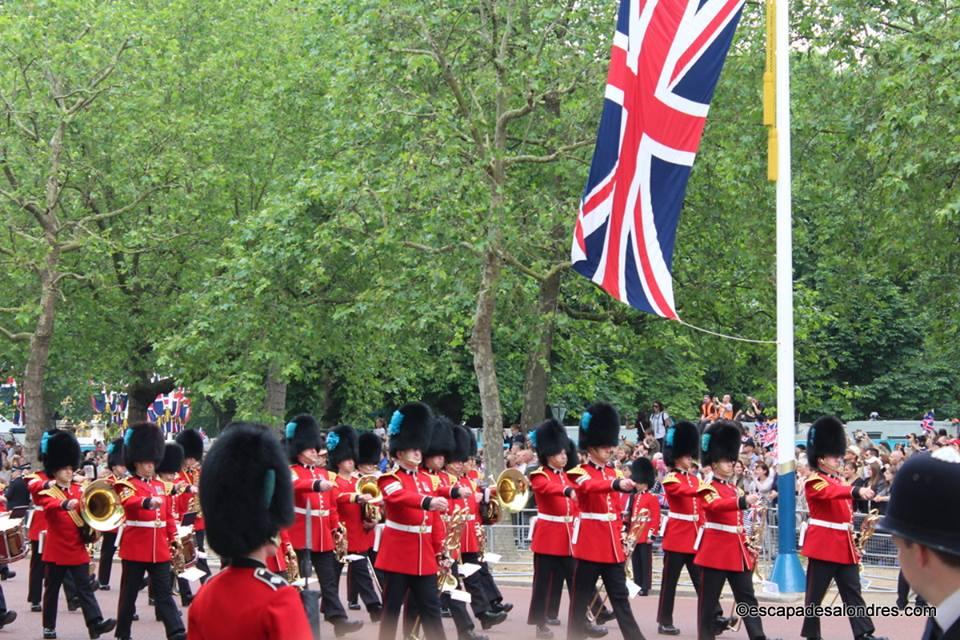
(770,91)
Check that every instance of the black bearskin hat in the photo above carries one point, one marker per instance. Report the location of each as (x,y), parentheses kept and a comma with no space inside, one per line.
(641,472)
(573,456)
(42,450)
(115,453)
(441,440)
(341,445)
(720,441)
(369,448)
(410,428)
(599,427)
(192,443)
(173,457)
(62,450)
(682,439)
(549,439)
(826,437)
(461,445)
(143,442)
(302,432)
(473,443)
(246,492)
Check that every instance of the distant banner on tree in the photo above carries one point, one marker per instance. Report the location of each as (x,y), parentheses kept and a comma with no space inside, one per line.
(170,411)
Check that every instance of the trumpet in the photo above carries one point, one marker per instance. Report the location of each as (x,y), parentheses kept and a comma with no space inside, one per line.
(340,543)
(292,573)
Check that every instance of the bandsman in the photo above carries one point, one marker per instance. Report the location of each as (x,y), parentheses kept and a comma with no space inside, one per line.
(369,452)
(644,477)
(108,539)
(168,471)
(188,500)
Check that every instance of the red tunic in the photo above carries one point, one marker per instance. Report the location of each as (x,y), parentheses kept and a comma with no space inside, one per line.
(409,539)
(553,532)
(63,545)
(470,540)
(359,540)
(596,534)
(192,479)
(277,563)
(723,544)
(147,533)
(831,503)
(648,501)
(38,522)
(270,607)
(323,507)
(681,532)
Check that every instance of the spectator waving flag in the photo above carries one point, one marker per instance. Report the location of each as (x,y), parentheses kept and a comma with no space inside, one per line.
(664,65)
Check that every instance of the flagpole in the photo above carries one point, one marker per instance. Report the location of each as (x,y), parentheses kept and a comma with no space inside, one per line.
(787,572)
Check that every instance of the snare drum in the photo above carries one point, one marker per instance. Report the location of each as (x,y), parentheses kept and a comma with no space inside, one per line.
(13,544)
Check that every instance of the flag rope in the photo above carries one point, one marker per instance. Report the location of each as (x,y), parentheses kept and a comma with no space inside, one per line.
(724,335)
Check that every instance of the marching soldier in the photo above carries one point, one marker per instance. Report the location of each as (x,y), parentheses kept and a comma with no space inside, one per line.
(314,484)
(644,477)
(681,525)
(188,501)
(149,532)
(722,551)
(827,537)
(169,473)
(597,546)
(247,497)
(108,539)
(369,450)
(65,551)
(407,550)
(341,458)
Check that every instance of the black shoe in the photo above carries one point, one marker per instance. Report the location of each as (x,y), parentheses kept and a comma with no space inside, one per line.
(103,587)
(353,606)
(667,630)
(179,635)
(343,626)
(470,634)
(8,575)
(186,601)
(35,608)
(595,630)
(503,606)
(7,618)
(136,617)
(73,605)
(605,616)
(643,592)
(49,634)
(544,632)
(445,613)
(553,622)
(490,618)
(724,624)
(150,602)
(375,613)
(104,626)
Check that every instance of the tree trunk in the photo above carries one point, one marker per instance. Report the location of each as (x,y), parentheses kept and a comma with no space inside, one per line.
(141,394)
(35,407)
(275,399)
(538,359)
(225,413)
(484,364)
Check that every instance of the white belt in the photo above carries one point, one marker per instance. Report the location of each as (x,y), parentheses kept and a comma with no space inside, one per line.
(37,507)
(606,517)
(471,517)
(149,524)
(409,528)
(839,526)
(322,512)
(689,517)
(546,517)
(722,527)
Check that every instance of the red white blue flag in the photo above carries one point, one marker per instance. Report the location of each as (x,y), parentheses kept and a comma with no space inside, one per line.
(664,65)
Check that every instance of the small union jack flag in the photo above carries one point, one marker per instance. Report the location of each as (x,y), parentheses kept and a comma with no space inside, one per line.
(664,65)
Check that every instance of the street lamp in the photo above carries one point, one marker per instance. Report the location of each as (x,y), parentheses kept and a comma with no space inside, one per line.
(558,411)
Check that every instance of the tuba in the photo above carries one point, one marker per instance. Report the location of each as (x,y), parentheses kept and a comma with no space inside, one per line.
(371,511)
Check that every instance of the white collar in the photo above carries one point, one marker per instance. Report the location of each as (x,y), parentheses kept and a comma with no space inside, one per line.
(948,611)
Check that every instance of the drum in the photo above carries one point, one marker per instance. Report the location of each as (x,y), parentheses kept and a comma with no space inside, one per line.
(188,541)
(13,541)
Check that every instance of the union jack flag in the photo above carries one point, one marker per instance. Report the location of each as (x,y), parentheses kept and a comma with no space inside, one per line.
(928,423)
(664,65)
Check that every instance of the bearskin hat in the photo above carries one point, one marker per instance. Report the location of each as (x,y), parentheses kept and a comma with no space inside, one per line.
(192,443)
(442,442)
(410,428)
(461,445)
(245,490)
(573,456)
(62,450)
(720,441)
(473,443)
(115,453)
(142,442)
(826,437)
(599,426)
(641,472)
(173,457)
(302,432)
(341,445)
(369,447)
(682,439)
(549,439)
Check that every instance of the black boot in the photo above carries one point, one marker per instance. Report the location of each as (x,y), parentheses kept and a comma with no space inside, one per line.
(104,626)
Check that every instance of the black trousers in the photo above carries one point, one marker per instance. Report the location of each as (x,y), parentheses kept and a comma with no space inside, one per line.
(108,547)
(202,562)
(131,580)
(642,562)
(481,586)
(549,574)
(38,569)
(458,611)
(54,578)
(673,564)
(422,591)
(327,570)
(741,582)
(585,574)
(847,577)
(360,584)
(903,593)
